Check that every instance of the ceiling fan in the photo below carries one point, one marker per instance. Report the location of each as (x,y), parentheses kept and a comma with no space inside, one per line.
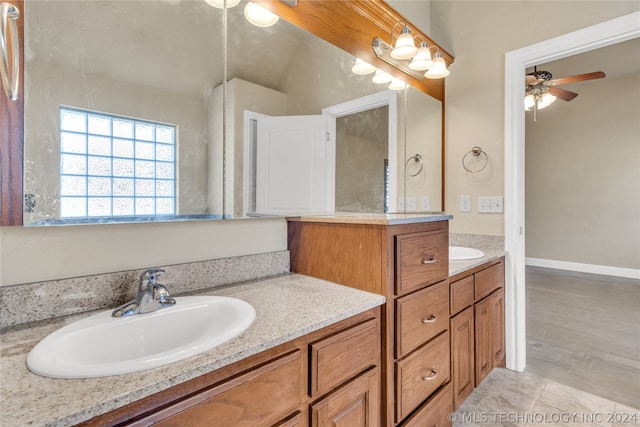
(541,89)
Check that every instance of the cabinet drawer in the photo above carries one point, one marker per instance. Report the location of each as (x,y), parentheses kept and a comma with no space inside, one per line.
(278,383)
(435,412)
(488,280)
(461,295)
(420,374)
(421,316)
(339,357)
(421,259)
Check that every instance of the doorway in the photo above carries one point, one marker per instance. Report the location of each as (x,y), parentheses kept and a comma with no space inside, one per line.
(516,62)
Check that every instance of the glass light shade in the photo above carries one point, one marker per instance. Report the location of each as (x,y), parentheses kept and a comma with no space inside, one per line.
(439,68)
(405,48)
(397,84)
(362,68)
(545,100)
(382,77)
(529,101)
(422,60)
(259,16)
(220,3)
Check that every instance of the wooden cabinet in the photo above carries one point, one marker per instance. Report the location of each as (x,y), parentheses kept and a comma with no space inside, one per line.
(477,326)
(435,412)
(357,404)
(462,355)
(409,265)
(326,378)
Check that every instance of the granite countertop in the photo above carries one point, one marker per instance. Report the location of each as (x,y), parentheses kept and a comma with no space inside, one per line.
(286,307)
(374,218)
(492,246)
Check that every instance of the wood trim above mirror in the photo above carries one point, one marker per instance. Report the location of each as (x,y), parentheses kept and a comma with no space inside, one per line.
(352,25)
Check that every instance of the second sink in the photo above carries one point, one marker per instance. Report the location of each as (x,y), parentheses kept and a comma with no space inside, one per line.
(462,253)
(102,345)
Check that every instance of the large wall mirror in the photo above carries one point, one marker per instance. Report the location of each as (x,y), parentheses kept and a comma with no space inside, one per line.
(124,116)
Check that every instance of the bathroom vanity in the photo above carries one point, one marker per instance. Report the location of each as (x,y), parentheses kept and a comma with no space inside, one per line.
(440,337)
(312,353)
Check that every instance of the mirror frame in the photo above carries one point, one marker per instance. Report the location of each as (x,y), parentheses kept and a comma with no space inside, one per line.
(349,25)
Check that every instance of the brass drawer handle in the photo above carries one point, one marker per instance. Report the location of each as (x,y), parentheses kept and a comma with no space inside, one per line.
(431,376)
(430,261)
(431,319)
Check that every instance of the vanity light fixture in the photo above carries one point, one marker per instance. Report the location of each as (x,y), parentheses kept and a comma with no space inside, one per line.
(397,84)
(382,77)
(404,48)
(409,58)
(259,16)
(362,68)
(439,68)
(220,3)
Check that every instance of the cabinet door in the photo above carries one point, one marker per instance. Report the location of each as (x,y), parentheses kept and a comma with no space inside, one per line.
(483,347)
(356,404)
(462,356)
(497,328)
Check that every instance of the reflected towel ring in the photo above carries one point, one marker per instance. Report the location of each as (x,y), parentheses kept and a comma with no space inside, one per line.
(9,75)
(476,151)
(418,159)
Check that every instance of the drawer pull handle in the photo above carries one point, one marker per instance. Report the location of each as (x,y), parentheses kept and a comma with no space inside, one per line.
(431,319)
(431,376)
(430,261)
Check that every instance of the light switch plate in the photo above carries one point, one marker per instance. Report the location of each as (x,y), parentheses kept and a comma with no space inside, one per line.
(401,203)
(492,204)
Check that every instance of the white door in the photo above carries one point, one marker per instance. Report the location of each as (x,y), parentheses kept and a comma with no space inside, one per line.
(295,165)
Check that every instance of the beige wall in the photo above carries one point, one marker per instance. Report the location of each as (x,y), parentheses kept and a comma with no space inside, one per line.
(583,175)
(478,34)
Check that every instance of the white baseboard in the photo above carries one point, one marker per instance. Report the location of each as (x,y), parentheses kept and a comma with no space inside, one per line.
(606,270)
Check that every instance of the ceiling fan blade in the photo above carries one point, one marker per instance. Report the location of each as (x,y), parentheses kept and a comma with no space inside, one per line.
(531,80)
(565,95)
(579,78)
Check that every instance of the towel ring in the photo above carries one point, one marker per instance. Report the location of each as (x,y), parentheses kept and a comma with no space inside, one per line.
(10,15)
(476,151)
(418,159)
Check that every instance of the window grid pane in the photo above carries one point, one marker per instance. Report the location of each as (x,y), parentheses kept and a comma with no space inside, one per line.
(115,166)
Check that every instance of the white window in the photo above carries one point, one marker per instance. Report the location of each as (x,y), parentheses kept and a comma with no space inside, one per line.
(115,166)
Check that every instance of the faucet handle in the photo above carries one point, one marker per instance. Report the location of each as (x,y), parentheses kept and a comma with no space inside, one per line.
(152,275)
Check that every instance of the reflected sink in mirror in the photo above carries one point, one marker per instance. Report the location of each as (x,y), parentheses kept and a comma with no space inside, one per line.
(101,345)
(462,253)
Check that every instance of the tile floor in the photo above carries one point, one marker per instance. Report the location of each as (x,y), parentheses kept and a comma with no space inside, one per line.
(508,398)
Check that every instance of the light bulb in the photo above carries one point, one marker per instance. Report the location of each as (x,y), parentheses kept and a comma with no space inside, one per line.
(439,68)
(405,48)
(259,16)
(381,77)
(422,60)
(397,84)
(220,3)
(362,68)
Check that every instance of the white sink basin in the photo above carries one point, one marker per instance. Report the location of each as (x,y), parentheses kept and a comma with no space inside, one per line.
(461,253)
(102,345)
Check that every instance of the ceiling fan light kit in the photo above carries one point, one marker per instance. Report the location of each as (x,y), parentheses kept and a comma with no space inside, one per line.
(541,91)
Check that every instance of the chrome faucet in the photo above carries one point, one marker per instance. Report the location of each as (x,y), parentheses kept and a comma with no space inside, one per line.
(153,298)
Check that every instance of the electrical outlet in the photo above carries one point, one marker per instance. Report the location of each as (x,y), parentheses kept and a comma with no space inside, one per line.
(401,203)
(465,203)
(411,204)
(425,203)
(490,204)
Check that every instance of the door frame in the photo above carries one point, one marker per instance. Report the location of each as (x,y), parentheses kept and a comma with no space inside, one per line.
(389,98)
(610,32)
